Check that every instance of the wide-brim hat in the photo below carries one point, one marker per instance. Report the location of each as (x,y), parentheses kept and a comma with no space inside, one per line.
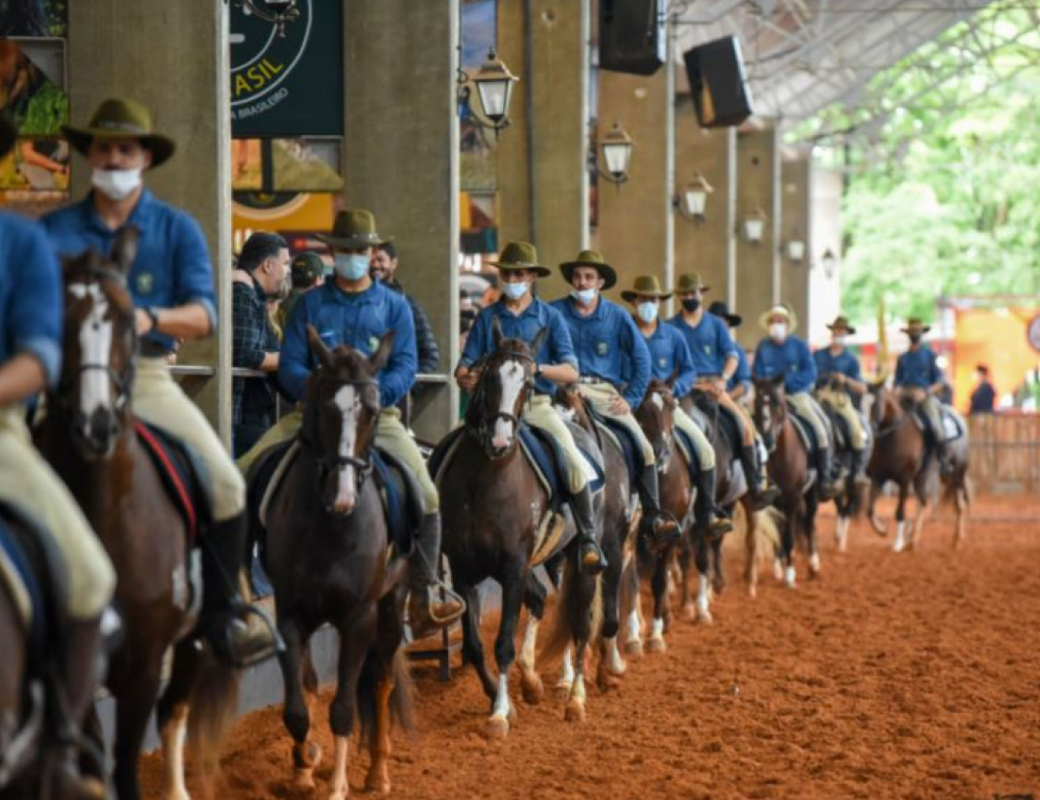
(121,118)
(354,229)
(779,311)
(645,286)
(8,134)
(914,325)
(594,259)
(841,324)
(521,255)
(720,309)
(690,282)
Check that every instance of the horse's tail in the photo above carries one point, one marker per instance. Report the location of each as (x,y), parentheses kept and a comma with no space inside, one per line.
(767,530)
(569,620)
(402,697)
(213,701)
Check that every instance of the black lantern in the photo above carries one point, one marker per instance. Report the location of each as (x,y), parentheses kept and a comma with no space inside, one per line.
(616,148)
(494,84)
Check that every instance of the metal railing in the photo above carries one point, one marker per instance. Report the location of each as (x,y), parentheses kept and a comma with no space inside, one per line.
(199,371)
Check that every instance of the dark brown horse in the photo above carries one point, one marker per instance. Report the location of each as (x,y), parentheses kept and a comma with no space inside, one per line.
(789,467)
(88,436)
(330,557)
(494,508)
(901,456)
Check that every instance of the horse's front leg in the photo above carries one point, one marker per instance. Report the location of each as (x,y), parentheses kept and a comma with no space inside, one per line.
(659,588)
(582,613)
(809,527)
(702,557)
(530,681)
(750,548)
(513,585)
(298,709)
(900,542)
(171,717)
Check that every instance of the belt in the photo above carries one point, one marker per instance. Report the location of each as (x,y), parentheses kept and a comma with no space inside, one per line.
(592,380)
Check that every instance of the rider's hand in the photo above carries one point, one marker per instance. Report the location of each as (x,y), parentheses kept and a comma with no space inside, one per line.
(467,379)
(142,321)
(620,406)
(718,386)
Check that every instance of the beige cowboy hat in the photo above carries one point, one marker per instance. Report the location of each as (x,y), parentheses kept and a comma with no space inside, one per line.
(121,118)
(354,229)
(521,255)
(779,310)
(8,134)
(915,325)
(841,324)
(594,259)
(645,286)
(690,282)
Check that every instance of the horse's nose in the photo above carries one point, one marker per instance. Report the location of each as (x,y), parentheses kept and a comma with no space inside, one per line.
(344,506)
(101,427)
(346,495)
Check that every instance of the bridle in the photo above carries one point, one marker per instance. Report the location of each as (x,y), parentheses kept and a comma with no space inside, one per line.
(329,463)
(486,422)
(777,417)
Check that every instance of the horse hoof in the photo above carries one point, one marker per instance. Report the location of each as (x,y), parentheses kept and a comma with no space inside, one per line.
(378,784)
(704,617)
(304,778)
(606,680)
(752,592)
(498,727)
(342,794)
(690,612)
(778,570)
(563,685)
(575,711)
(532,689)
(633,647)
(656,645)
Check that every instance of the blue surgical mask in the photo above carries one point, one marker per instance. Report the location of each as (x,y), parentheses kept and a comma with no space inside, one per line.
(351,266)
(647,312)
(514,291)
(584,296)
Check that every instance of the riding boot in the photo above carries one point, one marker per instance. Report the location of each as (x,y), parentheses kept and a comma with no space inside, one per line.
(590,556)
(943,455)
(829,488)
(859,468)
(710,519)
(432,603)
(759,490)
(661,526)
(226,622)
(79,676)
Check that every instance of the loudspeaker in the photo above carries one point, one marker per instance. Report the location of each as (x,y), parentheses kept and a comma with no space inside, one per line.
(631,36)
(720,92)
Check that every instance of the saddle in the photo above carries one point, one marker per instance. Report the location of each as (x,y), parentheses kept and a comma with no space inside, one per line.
(806,432)
(707,414)
(689,452)
(623,438)
(183,474)
(953,425)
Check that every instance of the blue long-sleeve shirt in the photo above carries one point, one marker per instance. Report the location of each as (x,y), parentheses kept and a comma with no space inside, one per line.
(609,346)
(172,267)
(710,343)
(918,368)
(556,349)
(360,320)
(844,363)
(791,359)
(669,356)
(31,299)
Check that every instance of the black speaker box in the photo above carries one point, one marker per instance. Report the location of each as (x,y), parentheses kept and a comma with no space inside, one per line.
(720,92)
(631,36)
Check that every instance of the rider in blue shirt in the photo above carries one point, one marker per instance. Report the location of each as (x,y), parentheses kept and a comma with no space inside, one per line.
(739,385)
(838,381)
(605,340)
(919,378)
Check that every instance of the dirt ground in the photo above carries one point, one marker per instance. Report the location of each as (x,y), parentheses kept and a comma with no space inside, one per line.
(893,676)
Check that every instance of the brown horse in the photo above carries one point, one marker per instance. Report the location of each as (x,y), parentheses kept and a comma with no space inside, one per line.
(88,436)
(492,514)
(789,467)
(331,560)
(901,455)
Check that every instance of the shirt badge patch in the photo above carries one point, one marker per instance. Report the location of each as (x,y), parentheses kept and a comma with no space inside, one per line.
(662,362)
(373,344)
(602,348)
(144,283)
(707,349)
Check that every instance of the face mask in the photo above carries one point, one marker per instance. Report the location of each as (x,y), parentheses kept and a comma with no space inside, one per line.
(584,296)
(691,304)
(351,266)
(915,338)
(778,331)
(116,184)
(647,312)
(514,291)
(840,341)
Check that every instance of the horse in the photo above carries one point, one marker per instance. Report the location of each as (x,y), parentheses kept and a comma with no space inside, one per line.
(789,467)
(330,558)
(901,455)
(848,501)
(490,530)
(88,435)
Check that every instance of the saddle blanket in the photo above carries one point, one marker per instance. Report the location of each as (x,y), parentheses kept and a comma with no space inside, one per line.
(30,572)
(954,426)
(182,474)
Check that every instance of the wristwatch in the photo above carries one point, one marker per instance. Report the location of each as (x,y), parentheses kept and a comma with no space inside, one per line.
(537,370)
(153,315)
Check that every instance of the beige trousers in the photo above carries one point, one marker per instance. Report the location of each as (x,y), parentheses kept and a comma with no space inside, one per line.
(28,483)
(705,453)
(540,413)
(600,396)
(159,401)
(748,431)
(807,407)
(842,404)
(391,436)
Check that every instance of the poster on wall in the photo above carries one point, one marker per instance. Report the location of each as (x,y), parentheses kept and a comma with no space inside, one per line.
(33,17)
(31,81)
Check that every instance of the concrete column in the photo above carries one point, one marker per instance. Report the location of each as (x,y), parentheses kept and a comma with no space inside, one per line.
(825,234)
(175,61)
(758,265)
(796,188)
(709,246)
(402,56)
(543,183)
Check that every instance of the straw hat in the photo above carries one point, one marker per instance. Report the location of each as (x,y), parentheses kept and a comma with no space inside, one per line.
(354,229)
(690,282)
(120,118)
(841,324)
(521,255)
(779,310)
(594,259)
(645,286)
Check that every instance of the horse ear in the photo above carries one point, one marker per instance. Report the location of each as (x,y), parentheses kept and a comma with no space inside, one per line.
(496,330)
(537,341)
(382,354)
(124,249)
(318,347)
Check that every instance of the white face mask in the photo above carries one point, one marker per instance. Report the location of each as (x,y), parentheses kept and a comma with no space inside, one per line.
(116,184)
(777,331)
(584,296)
(840,340)
(647,312)
(514,291)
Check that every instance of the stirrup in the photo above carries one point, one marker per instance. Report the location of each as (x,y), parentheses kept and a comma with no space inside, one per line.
(240,644)
(587,547)
(445,596)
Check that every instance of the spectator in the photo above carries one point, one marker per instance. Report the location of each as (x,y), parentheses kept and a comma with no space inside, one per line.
(308,270)
(984,398)
(261,271)
(383,269)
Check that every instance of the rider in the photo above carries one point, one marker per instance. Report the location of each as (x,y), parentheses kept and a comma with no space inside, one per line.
(356,310)
(604,334)
(783,354)
(522,316)
(738,386)
(670,357)
(171,283)
(919,379)
(836,365)
(716,360)
(30,360)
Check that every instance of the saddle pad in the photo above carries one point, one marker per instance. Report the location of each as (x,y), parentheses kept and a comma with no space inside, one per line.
(268,474)
(402,499)
(953,424)
(24,588)
(623,439)
(180,475)
(805,432)
(705,412)
(686,447)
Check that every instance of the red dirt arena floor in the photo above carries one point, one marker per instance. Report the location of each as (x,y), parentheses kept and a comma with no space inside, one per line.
(893,676)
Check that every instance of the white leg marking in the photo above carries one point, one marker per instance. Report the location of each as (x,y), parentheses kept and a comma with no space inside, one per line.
(657,628)
(778,569)
(814,562)
(340,787)
(789,577)
(527,652)
(502,705)
(615,663)
(566,671)
(900,542)
(173,736)
(635,629)
(703,592)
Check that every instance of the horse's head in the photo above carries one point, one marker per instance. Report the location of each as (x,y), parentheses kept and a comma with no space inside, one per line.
(883,407)
(770,409)
(655,416)
(506,379)
(341,411)
(99,347)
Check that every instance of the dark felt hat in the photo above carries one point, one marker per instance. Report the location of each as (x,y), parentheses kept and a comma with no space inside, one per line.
(720,309)
(121,118)
(915,325)
(594,259)
(645,286)
(842,324)
(521,255)
(354,229)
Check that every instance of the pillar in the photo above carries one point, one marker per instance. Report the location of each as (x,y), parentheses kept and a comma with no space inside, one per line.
(826,234)
(758,264)
(401,150)
(175,61)
(795,223)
